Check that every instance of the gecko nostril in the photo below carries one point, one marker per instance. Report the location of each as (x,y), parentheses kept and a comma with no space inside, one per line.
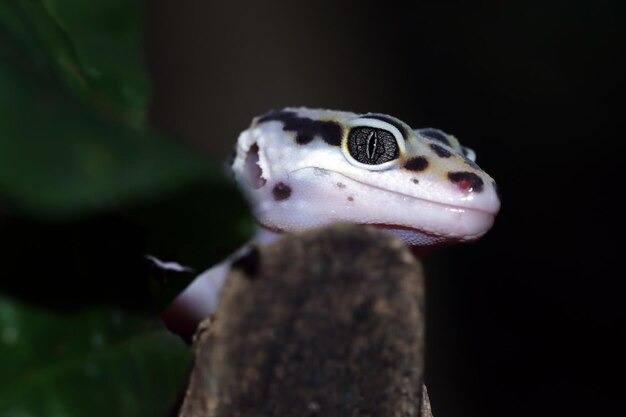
(466,181)
(253,171)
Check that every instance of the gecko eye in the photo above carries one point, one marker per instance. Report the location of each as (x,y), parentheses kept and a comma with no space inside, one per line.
(372,146)
(374,142)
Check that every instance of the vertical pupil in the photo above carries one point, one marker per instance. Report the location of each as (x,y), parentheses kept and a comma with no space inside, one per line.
(372,142)
(372,146)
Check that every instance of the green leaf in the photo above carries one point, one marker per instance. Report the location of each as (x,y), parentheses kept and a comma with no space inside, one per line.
(74,140)
(73,95)
(94,48)
(106,37)
(58,156)
(62,148)
(96,362)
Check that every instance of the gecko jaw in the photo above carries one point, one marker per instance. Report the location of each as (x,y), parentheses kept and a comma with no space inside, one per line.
(489,211)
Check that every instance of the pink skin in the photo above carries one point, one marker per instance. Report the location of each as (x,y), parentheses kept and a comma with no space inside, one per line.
(199,300)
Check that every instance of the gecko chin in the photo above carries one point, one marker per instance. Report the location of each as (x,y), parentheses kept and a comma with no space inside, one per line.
(416,237)
(436,224)
(411,235)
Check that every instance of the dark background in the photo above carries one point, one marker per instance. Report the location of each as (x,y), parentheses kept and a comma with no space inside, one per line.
(529,320)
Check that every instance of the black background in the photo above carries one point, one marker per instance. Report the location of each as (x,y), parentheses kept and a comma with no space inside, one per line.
(526,322)
(529,320)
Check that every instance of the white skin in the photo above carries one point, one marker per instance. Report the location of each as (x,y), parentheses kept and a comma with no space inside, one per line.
(302,168)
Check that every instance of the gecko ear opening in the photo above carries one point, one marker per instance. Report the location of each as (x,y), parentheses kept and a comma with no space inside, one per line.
(254,173)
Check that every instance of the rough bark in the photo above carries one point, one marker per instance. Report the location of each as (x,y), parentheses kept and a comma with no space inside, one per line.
(324,323)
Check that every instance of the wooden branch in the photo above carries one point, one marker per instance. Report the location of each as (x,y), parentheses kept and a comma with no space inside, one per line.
(324,323)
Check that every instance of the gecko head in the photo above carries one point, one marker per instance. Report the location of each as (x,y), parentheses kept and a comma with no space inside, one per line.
(303,168)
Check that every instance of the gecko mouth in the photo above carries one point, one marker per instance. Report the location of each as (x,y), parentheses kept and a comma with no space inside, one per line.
(444,206)
(446,226)
(416,220)
(420,237)
(412,236)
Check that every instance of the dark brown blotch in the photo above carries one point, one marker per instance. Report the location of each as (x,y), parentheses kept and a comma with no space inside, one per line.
(440,150)
(350,198)
(281,191)
(467,181)
(418,163)
(249,263)
(305,128)
(434,134)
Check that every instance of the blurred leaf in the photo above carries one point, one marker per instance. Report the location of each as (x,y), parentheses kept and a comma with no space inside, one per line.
(93,47)
(192,216)
(58,156)
(106,36)
(73,138)
(99,362)
(73,95)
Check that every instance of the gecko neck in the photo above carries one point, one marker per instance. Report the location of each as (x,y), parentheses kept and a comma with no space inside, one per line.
(264,236)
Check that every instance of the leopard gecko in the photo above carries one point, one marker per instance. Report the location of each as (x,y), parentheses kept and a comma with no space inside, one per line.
(301,168)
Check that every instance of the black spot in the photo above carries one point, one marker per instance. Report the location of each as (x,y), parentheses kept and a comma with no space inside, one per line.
(350,198)
(389,120)
(440,150)
(341,185)
(468,181)
(281,191)
(304,128)
(418,163)
(249,263)
(434,134)
(415,180)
